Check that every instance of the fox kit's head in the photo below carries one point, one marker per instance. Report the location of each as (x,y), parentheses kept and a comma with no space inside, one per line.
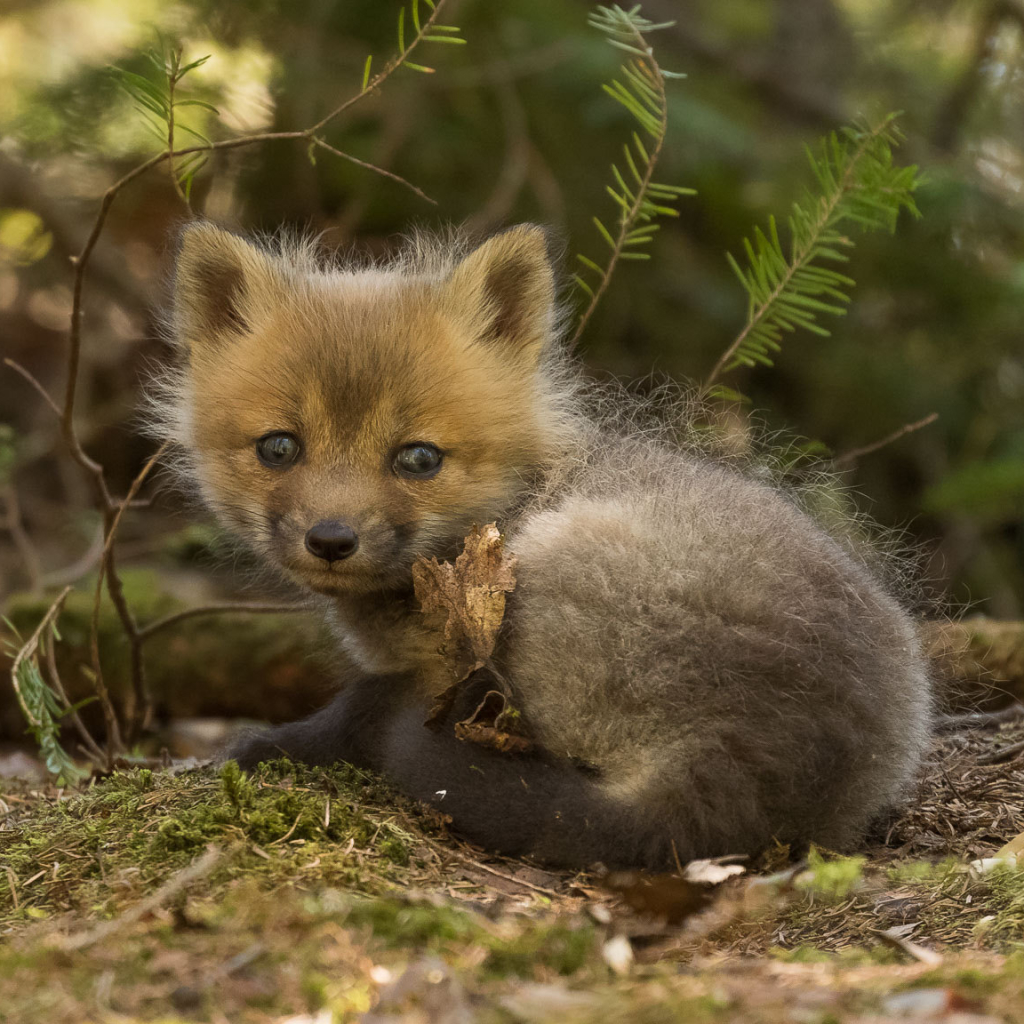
(344,422)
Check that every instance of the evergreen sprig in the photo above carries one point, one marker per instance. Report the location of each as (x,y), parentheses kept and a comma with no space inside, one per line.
(857,186)
(639,198)
(158,104)
(41,705)
(424,32)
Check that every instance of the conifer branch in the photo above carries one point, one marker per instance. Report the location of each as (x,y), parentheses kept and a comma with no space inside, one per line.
(640,199)
(858,186)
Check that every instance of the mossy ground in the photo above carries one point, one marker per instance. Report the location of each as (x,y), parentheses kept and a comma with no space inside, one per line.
(329,897)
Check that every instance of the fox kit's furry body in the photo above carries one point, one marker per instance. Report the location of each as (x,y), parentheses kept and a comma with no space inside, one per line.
(703,668)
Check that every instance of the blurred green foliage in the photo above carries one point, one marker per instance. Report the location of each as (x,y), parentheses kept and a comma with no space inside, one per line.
(514,126)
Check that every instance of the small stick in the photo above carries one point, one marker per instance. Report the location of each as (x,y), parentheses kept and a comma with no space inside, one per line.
(980,719)
(507,877)
(1007,753)
(317,141)
(55,681)
(44,394)
(848,459)
(158,625)
(199,868)
(22,541)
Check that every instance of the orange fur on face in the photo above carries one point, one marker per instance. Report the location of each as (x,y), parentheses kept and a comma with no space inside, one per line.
(356,365)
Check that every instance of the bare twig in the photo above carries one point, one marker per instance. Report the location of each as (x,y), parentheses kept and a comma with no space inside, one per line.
(507,877)
(145,632)
(198,869)
(980,719)
(138,714)
(81,566)
(53,677)
(44,394)
(318,142)
(14,525)
(848,459)
(1007,753)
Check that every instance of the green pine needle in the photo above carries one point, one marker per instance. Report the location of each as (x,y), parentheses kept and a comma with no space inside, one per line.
(640,90)
(857,186)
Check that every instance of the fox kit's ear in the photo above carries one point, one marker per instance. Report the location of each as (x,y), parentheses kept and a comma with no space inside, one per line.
(219,282)
(506,287)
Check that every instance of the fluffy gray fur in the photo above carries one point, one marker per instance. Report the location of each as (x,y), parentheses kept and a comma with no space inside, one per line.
(705,668)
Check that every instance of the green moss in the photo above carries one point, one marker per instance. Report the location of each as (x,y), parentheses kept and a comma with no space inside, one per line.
(422,924)
(561,947)
(131,831)
(801,955)
(831,878)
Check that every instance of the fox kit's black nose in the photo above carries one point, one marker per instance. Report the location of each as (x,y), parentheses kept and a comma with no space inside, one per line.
(332,541)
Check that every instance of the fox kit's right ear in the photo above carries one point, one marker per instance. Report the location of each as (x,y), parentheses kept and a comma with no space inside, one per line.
(219,282)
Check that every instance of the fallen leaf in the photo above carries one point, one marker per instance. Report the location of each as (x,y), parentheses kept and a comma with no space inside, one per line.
(464,602)
(711,872)
(617,953)
(1013,849)
(496,725)
(664,896)
(898,938)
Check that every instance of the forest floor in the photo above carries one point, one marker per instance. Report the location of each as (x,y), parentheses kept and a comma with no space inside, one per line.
(305,895)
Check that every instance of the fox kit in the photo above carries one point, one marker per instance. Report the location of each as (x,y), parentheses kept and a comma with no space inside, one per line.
(703,668)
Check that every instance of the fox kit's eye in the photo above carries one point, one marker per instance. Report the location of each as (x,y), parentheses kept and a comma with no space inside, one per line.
(421,460)
(277,450)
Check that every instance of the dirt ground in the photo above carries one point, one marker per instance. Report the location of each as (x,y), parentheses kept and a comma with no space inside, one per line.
(306,895)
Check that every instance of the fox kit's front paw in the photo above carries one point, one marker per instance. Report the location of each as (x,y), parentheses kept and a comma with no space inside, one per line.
(256,745)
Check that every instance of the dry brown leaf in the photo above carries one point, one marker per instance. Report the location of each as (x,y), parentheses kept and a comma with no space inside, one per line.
(668,897)
(496,725)
(464,602)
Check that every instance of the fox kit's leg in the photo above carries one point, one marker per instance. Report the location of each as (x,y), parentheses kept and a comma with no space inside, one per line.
(350,728)
(543,806)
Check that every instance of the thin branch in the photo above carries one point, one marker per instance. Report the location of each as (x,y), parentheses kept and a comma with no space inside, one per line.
(848,459)
(81,566)
(53,676)
(317,141)
(1001,754)
(145,632)
(44,394)
(196,870)
(139,712)
(19,535)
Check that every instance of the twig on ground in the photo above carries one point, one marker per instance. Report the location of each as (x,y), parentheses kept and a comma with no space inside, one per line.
(198,869)
(1007,753)
(980,719)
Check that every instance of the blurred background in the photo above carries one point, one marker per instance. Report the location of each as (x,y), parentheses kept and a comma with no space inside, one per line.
(514,126)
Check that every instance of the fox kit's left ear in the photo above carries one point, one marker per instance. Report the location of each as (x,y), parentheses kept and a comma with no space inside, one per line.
(506,287)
